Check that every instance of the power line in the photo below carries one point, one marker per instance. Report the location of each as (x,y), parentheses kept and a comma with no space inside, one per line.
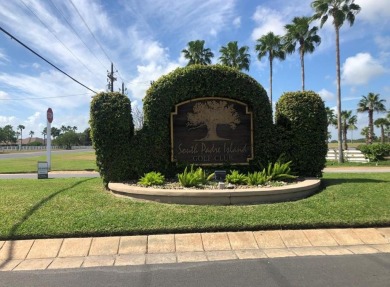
(90,31)
(41,98)
(93,35)
(31,50)
(51,31)
(75,31)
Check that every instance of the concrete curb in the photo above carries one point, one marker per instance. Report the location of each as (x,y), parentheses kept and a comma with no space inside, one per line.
(253,195)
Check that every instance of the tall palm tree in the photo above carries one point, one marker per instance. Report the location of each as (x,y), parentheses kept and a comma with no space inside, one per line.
(196,53)
(299,32)
(21,128)
(44,132)
(347,120)
(382,123)
(235,57)
(331,120)
(271,45)
(31,133)
(371,103)
(339,10)
(364,132)
(352,125)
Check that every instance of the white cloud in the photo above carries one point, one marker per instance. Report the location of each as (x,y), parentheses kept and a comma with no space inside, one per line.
(4,95)
(383,42)
(374,11)
(7,120)
(267,20)
(237,22)
(3,57)
(326,95)
(146,74)
(360,69)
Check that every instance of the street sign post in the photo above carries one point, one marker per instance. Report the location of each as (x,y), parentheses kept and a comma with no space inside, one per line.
(49,116)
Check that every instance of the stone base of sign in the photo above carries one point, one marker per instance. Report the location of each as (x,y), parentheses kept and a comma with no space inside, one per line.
(253,195)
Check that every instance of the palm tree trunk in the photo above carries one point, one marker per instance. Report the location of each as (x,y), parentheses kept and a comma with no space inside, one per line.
(270,80)
(345,138)
(370,125)
(303,69)
(382,134)
(339,131)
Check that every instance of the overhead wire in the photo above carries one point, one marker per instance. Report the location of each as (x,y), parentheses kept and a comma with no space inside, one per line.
(75,32)
(42,98)
(47,61)
(93,35)
(50,30)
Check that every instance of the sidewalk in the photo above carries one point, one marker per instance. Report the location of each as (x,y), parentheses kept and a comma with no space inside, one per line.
(42,254)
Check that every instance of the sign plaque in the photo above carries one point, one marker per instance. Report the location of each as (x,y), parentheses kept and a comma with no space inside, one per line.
(212,131)
(43,170)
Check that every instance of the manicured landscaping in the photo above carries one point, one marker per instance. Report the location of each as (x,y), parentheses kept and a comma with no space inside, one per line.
(66,161)
(81,207)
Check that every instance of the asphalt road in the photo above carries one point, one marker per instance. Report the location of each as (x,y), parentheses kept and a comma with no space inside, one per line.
(351,270)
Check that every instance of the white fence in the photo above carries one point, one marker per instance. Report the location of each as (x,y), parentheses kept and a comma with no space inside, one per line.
(32,148)
(349,155)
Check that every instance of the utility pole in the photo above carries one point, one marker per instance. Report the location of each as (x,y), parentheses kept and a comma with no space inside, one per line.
(123,90)
(110,78)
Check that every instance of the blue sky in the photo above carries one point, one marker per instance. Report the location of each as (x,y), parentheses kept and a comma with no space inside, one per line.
(144,39)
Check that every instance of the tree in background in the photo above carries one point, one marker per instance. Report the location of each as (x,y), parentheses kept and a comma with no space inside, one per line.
(235,57)
(382,123)
(339,10)
(44,133)
(364,132)
(331,120)
(55,132)
(271,45)
(31,133)
(21,128)
(67,139)
(196,53)
(7,135)
(300,34)
(352,126)
(347,120)
(369,104)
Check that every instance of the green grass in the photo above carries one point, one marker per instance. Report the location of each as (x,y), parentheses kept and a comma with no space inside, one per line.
(332,163)
(66,161)
(80,207)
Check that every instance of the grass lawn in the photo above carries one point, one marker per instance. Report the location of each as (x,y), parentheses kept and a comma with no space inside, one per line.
(33,208)
(67,161)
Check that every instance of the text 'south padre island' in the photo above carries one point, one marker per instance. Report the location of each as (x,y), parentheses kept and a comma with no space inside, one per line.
(212,131)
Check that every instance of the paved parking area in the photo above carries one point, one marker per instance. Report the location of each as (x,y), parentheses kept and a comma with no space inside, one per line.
(62,253)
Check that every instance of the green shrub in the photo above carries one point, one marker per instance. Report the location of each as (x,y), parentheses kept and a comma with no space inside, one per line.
(258,178)
(375,152)
(235,177)
(111,131)
(152,178)
(279,171)
(194,177)
(302,125)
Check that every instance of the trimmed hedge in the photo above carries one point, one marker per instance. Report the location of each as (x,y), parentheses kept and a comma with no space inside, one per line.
(302,128)
(195,81)
(112,129)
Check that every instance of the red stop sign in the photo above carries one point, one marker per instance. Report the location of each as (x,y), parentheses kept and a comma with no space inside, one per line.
(49,115)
